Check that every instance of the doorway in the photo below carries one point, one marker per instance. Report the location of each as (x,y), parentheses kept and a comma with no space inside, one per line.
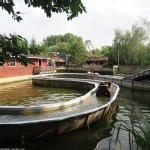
(40,62)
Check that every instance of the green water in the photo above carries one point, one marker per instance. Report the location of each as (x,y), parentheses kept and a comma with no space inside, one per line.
(24,94)
(129,104)
(133,107)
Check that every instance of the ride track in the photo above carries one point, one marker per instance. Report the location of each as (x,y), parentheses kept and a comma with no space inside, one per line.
(34,128)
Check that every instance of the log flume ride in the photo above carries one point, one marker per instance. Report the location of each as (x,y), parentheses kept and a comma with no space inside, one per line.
(34,122)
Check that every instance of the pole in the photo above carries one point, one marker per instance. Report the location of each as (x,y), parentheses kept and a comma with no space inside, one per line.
(118,58)
(118,62)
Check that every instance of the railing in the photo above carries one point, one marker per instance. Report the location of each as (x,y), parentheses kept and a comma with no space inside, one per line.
(139,74)
(47,69)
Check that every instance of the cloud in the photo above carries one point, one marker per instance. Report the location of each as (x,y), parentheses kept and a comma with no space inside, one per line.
(97,25)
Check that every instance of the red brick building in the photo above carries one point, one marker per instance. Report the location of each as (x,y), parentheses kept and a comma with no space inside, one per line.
(13,68)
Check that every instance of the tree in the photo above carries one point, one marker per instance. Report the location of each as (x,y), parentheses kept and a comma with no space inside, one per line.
(107,51)
(15,46)
(71,7)
(9,46)
(33,43)
(63,47)
(132,46)
(137,44)
(67,45)
(120,46)
(78,53)
(96,52)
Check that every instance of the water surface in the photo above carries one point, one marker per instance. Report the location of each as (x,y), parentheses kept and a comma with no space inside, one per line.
(129,103)
(24,94)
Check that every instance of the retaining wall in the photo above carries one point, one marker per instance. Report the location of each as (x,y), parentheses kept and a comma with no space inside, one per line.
(14,79)
(91,88)
(127,83)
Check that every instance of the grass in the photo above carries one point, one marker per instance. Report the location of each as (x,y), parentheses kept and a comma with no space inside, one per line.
(138,134)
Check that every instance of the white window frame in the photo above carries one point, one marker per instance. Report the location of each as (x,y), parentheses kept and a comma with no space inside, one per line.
(12,62)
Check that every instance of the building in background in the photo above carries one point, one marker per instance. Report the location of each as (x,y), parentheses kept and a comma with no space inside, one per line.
(59,62)
(95,62)
(13,68)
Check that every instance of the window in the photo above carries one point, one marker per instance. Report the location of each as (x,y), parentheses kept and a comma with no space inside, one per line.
(12,62)
(21,64)
(1,64)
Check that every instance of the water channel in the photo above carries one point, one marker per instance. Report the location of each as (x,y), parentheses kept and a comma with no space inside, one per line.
(129,102)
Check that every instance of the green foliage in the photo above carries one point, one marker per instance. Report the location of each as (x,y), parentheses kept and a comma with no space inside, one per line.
(63,47)
(71,8)
(120,46)
(68,45)
(138,134)
(132,46)
(107,51)
(96,52)
(15,46)
(78,53)
(8,6)
(33,43)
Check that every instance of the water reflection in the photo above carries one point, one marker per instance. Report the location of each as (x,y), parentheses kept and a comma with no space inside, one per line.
(87,139)
(133,107)
(36,95)
(82,139)
(25,94)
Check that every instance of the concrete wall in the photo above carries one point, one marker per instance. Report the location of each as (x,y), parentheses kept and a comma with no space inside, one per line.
(127,83)
(63,83)
(92,67)
(15,79)
(127,70)
(91,88)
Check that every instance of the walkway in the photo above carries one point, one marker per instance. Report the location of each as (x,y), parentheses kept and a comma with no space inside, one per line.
(142,75)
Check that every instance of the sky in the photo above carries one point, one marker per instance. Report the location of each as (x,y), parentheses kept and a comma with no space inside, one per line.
(98,25)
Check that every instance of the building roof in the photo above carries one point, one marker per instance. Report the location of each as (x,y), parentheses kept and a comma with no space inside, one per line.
(40,56)
(94,58)
(57,59)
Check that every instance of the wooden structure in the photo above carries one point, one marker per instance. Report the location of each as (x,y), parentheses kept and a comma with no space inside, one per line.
(96,60)
(58,61)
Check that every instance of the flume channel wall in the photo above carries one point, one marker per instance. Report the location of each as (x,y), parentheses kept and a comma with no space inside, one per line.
(34,129)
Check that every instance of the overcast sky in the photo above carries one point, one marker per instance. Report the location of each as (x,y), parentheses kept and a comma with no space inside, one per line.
(97,25)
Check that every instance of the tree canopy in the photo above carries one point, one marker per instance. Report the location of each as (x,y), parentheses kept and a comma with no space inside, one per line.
(68,45)
(132,46)
(15,46)
(71,7)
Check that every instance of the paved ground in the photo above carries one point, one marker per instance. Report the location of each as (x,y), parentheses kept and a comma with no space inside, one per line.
(14,79)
